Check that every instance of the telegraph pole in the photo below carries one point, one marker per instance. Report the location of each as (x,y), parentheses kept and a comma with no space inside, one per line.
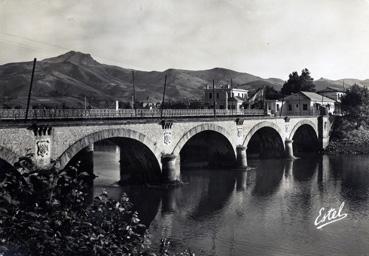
(134,92)
(214,102)
(163,100)
(30,87)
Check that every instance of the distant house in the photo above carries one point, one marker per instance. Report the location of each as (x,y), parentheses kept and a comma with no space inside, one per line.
(307,103)
(225,97)
(273,107)
(332,93)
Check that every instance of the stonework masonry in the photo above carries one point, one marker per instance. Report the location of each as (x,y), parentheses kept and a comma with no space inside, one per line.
(62,141)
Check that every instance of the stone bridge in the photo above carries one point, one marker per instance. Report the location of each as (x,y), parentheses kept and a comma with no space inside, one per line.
(160,148)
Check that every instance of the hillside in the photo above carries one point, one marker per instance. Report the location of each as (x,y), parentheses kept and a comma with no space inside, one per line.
(69,78)
(323,83)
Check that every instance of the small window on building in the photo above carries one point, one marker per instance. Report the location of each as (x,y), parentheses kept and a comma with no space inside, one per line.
(217,95)
(305,106)
(210,95)
(289,107)
(297,105)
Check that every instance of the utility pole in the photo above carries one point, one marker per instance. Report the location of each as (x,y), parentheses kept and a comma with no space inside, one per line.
(263,99)
(30,87)
(214,102)
(134,92)
(162,102)
(322,108)
(85,103)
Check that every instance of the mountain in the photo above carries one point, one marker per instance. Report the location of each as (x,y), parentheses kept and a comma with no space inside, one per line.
(323,83)
(70,78)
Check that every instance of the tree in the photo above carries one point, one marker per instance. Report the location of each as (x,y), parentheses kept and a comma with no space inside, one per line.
(297,83)
(271,93)
(355,104)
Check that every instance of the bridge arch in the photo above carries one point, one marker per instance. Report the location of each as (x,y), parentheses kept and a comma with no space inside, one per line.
(202,128)
(260,126)
(8,155)
(84,142)
(301,123)
(305,138)
(265,140)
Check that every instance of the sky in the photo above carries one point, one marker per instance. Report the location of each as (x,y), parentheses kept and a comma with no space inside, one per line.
(268,38)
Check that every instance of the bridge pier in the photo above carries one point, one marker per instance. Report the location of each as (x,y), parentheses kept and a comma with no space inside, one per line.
(289,149)
(169,171)
(241,157)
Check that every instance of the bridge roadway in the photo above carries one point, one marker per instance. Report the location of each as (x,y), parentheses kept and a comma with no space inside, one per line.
(156,139)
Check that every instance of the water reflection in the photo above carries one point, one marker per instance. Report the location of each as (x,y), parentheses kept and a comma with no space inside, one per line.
(268,176)
(216,196)
(227,212)
(305,168)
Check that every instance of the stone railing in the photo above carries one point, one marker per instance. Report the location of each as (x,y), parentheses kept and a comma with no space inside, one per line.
(37,114)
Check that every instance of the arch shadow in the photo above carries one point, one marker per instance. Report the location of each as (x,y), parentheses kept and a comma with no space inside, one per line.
(201,128)
(259,126)
(301,123)
(305,138)
(82,143)
(265,140)
(207,149)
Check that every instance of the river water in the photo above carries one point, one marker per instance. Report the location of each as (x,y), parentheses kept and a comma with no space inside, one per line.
(269,210)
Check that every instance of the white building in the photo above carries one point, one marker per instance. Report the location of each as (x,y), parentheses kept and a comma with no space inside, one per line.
(225,97)
(307,103)
(273,107)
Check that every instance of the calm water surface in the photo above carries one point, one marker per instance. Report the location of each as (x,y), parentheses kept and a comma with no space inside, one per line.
(269,210)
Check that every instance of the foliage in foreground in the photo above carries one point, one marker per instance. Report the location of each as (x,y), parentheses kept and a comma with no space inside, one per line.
(45,212)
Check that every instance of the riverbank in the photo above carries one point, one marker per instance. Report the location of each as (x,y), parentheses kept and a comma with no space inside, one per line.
(347,138)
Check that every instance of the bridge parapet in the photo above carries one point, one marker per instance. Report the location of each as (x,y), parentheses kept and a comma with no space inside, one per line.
(40,114)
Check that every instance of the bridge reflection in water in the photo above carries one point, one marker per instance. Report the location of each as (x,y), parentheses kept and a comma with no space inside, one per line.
(269,210)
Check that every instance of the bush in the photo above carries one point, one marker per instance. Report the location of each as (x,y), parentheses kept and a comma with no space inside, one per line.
(47,212)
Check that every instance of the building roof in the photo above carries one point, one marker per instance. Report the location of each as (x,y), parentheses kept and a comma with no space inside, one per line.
(331,89)
(313,96)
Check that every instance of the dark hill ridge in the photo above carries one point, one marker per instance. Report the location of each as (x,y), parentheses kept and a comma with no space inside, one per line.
(71,77)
